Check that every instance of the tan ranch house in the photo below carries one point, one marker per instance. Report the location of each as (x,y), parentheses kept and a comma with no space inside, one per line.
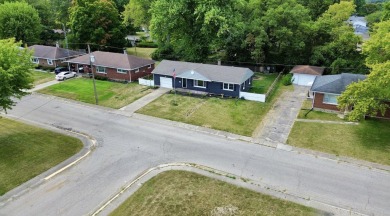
(49,56)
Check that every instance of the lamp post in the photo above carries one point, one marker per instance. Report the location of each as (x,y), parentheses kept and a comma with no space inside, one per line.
(91,61)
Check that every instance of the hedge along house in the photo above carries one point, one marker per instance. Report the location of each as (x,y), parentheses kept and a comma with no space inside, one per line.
(304,75)
(48,56)
(212,79)
(115,66)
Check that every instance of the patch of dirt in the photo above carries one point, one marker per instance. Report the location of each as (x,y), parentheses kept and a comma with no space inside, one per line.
(228,210)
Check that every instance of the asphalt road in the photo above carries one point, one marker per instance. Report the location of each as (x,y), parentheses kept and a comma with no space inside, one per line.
(127,147)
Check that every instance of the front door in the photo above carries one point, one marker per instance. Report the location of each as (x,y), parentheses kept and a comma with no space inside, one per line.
(184,83)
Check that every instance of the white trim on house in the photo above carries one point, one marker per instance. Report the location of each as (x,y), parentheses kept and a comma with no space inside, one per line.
(228,86)
(150,66)
(196,84)
(50,61)
(121,71)
(136,70)
(98,69)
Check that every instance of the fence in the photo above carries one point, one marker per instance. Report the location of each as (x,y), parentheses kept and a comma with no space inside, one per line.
(253,96)
(146,82)
(273,84)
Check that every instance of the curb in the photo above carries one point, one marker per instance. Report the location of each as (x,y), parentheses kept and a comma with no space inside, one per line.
(89,144)
(324,207)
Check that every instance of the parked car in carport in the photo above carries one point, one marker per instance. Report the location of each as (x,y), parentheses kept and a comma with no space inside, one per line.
(65,75)
(58,70)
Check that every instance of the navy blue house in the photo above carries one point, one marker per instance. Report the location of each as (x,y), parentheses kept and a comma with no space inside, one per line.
(215,79)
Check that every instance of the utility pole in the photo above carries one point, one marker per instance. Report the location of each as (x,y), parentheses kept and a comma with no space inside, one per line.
(66,44)
(91,61)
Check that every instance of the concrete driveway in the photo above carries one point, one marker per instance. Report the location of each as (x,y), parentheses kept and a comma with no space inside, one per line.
(278,122)
(129,146)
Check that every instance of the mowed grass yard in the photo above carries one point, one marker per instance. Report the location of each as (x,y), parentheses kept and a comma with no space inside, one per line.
(27,151)
(42,77)
(316,115)
(231,115)
(262,82)
(141,52)
(110,94)
(370,140)
(186,193)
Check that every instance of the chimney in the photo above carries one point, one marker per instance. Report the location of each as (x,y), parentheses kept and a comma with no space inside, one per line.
(219,62)
(124,51)
(57,45)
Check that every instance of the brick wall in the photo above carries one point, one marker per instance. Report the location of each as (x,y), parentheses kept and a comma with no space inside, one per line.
(318,103)
(112,74)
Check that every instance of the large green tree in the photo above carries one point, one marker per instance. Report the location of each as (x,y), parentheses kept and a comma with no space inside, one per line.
(15,72)
(97,22)
(317,7)
(19,20)
(193,28)
(278,31)
(369,96)
(137,13)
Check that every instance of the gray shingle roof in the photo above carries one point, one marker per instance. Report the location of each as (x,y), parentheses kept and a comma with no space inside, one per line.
(113,60)
(54,53)
(206,72)
(335,84)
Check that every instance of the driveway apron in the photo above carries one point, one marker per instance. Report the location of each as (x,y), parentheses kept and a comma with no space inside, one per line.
(277,125)
(145,100)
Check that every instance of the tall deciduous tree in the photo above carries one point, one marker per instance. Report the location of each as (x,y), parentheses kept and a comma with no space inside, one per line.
(137,13)
(317,7)
(192,27)
(97,22)
(370,95)
(15,72)
(19,20)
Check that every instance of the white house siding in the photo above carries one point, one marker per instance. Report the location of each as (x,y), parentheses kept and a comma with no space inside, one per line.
(303,79)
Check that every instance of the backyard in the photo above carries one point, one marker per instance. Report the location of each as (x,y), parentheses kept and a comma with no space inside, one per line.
(232,115)
(369,140)
(27,151)
(186,193)
(110,94)
(141,52)
(42,77)
(261,82)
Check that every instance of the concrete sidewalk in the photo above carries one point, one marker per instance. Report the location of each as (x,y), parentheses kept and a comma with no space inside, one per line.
(43,85)
(138,104)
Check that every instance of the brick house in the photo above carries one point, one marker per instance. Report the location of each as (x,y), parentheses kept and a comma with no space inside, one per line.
(326,89)
(48,56)
(115,66)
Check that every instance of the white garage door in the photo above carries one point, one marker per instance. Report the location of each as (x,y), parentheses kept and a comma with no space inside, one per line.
(304,79)
(166,82)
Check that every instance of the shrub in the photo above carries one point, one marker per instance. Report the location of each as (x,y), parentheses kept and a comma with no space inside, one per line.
(101,78)
(147,44)
(287,79)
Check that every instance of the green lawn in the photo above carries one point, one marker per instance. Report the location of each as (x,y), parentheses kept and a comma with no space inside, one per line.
(370,140)
(27,151)
(186,193)
(42,77)
(262,82)
(231,115)
(316,115)
(110,94)
(141,52)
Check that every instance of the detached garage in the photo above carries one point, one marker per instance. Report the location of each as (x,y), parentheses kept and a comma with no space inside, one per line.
(304,75)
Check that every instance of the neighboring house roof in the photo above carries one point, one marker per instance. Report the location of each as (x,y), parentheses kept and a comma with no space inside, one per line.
(205,72)
(113,60)
(335,84)
(307,69)
(54,53)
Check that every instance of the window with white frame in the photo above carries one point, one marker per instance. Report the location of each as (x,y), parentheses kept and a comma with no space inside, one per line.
(330,99)
(100,69)
(35,60)
(50,62)
(199,83)
(121,71)
(228,86)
